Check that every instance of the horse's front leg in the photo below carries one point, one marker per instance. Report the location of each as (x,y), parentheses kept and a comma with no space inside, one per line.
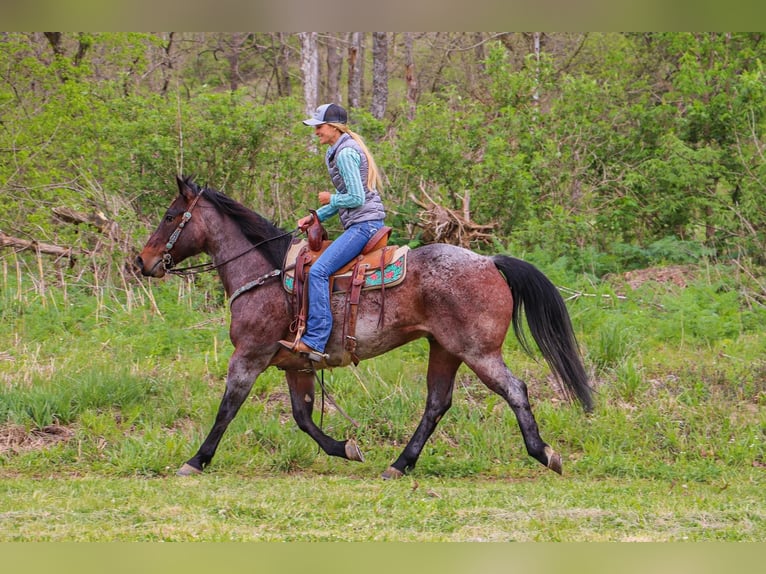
(239,381)
(301,385)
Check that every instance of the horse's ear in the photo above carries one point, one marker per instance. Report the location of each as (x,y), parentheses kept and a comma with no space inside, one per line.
(184,188)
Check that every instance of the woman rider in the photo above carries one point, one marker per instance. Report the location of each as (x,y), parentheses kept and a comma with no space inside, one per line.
(357,202)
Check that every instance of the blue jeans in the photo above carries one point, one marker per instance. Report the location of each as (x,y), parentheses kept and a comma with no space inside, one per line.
(342,250)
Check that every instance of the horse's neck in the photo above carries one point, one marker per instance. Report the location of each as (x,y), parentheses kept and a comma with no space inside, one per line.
(226,241)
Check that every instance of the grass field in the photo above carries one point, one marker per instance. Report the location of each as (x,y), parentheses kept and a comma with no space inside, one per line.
(336,507)
(105,393)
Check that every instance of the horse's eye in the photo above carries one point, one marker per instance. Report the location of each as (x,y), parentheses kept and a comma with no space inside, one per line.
(169,218)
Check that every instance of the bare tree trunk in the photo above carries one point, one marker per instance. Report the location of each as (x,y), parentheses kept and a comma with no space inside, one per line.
(536,48)
(55,40)
(479,51)
(355,69)
(409,76)
(334,69)
(284,86)
(310,70)
(379,74)
(84,41)
(232,46)
(167,63)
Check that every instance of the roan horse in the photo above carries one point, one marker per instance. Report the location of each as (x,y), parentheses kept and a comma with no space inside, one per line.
(462,302)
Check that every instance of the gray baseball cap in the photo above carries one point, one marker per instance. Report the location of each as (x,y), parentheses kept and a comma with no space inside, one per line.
(327,113)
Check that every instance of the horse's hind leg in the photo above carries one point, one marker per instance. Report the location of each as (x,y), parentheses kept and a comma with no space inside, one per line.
(495,374)
(442,367)
(301,385)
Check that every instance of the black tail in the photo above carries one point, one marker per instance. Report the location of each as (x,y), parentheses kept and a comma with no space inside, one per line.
(549,323)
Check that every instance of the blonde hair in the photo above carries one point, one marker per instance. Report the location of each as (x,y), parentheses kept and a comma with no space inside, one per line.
(374,180)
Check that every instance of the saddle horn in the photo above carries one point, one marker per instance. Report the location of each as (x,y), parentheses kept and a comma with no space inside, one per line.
(316,233)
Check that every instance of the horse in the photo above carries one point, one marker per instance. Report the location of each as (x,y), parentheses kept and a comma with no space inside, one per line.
(462,302)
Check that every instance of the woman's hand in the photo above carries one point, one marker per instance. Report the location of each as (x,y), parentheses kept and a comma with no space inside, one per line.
(324,197)
(304,222)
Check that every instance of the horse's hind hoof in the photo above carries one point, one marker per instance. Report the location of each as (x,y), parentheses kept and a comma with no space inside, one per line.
(353,452)
(392,473)
(554,460)
(188,470)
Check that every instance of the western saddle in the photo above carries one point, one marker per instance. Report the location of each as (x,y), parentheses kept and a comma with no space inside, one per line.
(375,256)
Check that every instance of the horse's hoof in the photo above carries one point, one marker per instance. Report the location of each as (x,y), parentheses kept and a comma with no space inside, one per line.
(188,470)
(392,473)
(353,452)
(554,460)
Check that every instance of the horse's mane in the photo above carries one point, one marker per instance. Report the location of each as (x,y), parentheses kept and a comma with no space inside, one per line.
(256,228)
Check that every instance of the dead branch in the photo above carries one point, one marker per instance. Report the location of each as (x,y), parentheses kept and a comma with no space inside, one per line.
(443,225)
(46,248)
(97,220)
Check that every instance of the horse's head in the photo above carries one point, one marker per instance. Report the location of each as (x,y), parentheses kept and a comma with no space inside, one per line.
(178,236)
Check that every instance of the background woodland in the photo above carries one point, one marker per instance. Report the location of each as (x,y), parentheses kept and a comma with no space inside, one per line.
(602,152)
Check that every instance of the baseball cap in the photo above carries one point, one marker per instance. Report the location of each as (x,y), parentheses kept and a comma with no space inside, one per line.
(327,113)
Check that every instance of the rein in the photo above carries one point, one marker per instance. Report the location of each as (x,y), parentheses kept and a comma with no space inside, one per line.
(209,266)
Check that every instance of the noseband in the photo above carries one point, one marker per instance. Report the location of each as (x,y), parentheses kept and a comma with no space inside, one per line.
(167,258)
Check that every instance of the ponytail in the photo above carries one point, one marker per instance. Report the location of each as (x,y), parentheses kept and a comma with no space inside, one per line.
(374,181)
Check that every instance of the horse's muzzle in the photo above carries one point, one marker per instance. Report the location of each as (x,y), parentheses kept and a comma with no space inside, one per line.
(149,268)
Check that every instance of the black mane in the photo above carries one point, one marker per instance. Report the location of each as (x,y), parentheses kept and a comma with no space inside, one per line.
(256,228)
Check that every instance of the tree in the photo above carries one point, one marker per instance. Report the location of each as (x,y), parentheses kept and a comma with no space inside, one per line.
(166,64)
(282,65)
(58,45)
(232,47)
(409,76)
(632,139)
(310,69)
(56,40)
(334,63)
(355,68)
(379,74)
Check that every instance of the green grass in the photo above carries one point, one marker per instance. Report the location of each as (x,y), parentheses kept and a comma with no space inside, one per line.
(103,395)
(226,507)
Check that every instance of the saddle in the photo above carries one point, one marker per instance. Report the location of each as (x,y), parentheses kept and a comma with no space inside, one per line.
(378,266)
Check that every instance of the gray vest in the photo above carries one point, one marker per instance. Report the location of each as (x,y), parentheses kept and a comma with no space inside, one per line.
(372,209)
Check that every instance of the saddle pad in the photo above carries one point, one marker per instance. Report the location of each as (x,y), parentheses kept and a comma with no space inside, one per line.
(392,275)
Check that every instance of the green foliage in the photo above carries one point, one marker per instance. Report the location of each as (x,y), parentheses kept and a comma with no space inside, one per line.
(636,139)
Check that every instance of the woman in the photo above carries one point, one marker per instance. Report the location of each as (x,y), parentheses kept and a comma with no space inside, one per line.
(356,179)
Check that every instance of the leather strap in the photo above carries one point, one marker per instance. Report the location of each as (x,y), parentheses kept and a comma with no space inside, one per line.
(352,308)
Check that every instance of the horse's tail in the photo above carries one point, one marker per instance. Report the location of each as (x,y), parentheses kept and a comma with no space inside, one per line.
(549,324)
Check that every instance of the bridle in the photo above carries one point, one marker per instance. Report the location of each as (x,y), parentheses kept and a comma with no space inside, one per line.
(168,263)
(167,258)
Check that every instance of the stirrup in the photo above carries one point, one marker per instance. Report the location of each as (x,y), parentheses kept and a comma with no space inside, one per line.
(316,356)
(312,354)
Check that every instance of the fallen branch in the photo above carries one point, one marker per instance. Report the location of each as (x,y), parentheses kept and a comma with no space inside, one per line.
(574,295)
(97,220)
(443,225)
(39,247)
(577,294)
